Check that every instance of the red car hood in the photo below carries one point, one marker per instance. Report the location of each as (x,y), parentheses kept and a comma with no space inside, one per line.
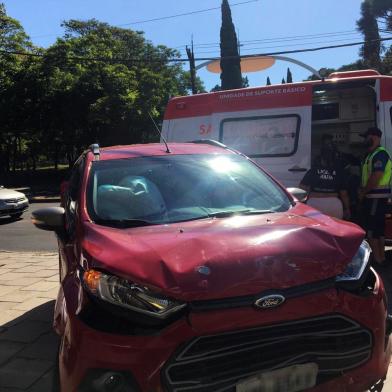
(244,254)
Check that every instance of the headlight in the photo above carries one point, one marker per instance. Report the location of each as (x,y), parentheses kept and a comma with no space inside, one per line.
(121,292)
(355,270)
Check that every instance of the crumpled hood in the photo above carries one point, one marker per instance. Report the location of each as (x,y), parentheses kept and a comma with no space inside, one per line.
(244,254)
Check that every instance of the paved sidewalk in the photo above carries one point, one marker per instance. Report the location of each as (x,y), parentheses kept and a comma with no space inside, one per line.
(28,345)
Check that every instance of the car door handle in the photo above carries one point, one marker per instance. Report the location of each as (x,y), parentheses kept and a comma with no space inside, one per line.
(297,169)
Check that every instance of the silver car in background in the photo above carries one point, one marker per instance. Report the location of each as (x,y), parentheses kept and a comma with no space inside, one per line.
(12,203)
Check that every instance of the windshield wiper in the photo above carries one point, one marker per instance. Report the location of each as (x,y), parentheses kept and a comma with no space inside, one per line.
(228,213)
(124,223)
(256,212)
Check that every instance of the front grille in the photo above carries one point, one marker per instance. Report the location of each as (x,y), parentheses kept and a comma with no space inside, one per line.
(218,362)
(249,300)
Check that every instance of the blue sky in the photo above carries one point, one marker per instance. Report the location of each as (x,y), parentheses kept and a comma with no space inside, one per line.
(274,24)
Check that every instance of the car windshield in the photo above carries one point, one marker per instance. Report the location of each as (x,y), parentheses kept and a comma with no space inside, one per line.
(175,188)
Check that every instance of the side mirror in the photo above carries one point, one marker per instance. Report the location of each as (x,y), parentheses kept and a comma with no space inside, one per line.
(50,218)
(298,194)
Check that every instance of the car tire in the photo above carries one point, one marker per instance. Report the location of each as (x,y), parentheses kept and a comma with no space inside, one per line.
(16,216)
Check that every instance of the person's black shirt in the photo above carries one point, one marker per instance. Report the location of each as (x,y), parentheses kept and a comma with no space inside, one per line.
(324,180)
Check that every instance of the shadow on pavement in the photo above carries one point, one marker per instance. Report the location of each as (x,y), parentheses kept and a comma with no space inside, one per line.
(28,349)
(6,220)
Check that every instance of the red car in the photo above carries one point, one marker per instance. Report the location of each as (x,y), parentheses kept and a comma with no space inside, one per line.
(191,270)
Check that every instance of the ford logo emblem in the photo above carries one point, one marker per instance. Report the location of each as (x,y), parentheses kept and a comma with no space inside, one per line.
(203,270)
(270,301)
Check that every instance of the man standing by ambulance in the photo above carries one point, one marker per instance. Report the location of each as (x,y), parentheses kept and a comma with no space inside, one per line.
(375,191)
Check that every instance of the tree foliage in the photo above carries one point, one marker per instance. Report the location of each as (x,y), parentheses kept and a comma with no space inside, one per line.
(245,81)
(289,77)
(376,15)
(230,62)
(95,84)
(368,26)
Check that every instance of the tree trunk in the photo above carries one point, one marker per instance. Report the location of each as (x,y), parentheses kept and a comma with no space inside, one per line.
(14,152)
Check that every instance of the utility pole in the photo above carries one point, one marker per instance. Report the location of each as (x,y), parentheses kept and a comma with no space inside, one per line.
(191,57)
(238,43)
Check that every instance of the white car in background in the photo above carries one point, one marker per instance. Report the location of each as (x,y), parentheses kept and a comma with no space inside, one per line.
(12,203)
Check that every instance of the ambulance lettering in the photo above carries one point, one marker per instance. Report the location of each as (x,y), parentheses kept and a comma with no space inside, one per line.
(205,129)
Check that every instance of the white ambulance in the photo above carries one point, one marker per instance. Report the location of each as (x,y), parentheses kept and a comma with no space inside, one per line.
(281,126)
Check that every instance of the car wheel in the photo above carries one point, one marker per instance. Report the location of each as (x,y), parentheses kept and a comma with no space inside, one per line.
(16,216)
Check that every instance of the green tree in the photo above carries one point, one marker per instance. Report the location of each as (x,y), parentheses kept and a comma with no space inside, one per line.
(283,81)
(107,100)
(96,83)
(268,81)
(368,26)
(383,11)
(185,84)
(14,95)
(289,77)
(230,63)
(216,88)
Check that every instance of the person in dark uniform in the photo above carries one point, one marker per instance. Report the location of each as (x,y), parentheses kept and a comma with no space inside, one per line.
(375,191)
(325,184)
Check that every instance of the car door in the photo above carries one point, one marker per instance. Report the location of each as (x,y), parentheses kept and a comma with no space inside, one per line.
(68,243)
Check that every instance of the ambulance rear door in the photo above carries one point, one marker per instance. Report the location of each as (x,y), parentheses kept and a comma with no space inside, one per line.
(384,86)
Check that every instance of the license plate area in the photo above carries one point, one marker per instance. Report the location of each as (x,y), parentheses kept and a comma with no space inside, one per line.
(290,379)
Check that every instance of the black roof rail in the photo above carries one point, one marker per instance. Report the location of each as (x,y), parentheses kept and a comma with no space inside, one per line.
(211,142)
(94,148)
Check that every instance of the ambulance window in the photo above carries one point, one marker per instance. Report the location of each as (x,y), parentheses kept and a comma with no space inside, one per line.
(262,136)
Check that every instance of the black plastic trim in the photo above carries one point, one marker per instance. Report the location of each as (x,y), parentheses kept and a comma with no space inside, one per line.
(249,300)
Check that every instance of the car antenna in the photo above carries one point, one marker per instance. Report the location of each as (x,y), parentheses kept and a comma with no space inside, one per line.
(160,133)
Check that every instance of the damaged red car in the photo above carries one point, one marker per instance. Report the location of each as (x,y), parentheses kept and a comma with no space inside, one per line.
(189,269)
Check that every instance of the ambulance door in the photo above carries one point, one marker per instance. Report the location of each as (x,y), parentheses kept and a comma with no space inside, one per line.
(384,115)
(384,122)
(278,139)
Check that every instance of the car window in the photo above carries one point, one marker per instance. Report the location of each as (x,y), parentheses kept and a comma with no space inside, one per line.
(76,178)
(177,188)
(72,194)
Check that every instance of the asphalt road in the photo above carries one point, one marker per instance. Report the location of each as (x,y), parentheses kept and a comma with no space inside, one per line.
(21,234)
